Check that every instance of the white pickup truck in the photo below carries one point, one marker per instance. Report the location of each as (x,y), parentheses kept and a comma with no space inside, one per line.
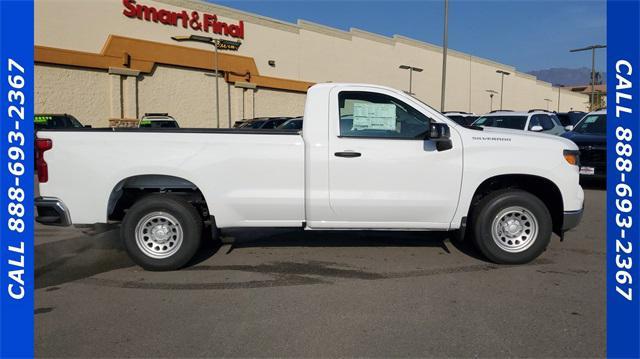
(368,158)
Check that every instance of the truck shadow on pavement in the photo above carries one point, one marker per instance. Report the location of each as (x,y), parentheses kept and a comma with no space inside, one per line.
(100,251)
(241,238)
(284,272)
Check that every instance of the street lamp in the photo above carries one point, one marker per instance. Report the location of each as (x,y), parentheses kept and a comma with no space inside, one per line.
(491,93)
(548,102)
(411,70)
(502,74)
(214,42)
(559,88)
(593,68)
(444,54)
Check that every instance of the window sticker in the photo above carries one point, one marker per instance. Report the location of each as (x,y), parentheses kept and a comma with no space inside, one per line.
(374,116)
(41,119)
(590,119)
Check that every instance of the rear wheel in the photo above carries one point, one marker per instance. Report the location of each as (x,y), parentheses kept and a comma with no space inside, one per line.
(511,227)
(161,232)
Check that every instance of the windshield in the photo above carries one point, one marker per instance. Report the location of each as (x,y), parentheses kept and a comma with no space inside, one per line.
(592,125)
(292,125)
(565,120)
(158,124)
(513,122)
(570,118)
(255,124)
(55,121)
(457,119)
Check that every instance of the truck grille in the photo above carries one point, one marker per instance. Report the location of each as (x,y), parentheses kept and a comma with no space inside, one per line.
(593,155)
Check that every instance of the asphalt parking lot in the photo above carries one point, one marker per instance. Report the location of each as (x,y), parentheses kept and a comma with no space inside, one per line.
(295,293)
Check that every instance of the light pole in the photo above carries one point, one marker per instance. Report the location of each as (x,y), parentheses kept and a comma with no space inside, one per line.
(444,54)
(491,93)
(411,70)
(548,102)
(593,69)
(559,88)
(502,74)
(214,42)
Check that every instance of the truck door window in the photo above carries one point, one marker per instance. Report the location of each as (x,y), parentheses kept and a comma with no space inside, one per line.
(370,114)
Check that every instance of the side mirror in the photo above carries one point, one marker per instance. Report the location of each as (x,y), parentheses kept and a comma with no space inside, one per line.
(441,135)
(568,128)
(438,131)
(536,128)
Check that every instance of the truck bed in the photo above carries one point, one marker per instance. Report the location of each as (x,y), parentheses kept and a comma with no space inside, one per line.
(248,180)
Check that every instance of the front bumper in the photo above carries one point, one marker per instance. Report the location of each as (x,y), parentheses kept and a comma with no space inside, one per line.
(571,219)
(52,211)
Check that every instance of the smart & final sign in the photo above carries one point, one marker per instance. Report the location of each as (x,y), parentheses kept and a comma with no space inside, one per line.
(195,20)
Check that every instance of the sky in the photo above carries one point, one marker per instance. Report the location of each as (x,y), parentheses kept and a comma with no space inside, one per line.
(530,35)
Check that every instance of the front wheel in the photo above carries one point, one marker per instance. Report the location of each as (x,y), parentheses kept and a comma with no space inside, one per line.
(161,232)
(511,227)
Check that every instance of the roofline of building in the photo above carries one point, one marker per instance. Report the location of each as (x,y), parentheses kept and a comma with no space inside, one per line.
(331,31)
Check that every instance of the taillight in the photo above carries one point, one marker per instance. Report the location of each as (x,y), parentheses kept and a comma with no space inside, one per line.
(42,145)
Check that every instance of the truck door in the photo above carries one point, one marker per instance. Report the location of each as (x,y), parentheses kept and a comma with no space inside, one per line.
(382,172)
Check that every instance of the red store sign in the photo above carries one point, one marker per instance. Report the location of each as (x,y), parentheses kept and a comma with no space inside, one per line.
(193,20)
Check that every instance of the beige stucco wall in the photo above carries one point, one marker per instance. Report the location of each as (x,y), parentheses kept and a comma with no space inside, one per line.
(278,103)
(188,95)
(94,97)
(302,51)
(83,93)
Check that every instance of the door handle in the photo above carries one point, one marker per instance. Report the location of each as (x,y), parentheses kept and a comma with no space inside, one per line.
(348,154)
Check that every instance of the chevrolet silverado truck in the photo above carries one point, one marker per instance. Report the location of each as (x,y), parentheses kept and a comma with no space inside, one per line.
(368,158)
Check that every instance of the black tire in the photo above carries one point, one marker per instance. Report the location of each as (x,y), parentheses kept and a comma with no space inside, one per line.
(486,211)
(189,222)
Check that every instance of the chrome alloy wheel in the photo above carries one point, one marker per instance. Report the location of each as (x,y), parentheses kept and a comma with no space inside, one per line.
(514,229)
(158,235)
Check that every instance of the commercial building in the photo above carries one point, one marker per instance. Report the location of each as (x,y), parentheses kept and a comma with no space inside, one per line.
(112,60)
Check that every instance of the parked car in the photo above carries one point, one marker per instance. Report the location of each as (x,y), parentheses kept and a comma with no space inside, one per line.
(536,121)
(264,123)
(368,158)
(292,124)
(53,121)
(590,134)
(158,120)
(570,118)
(461,118)
(239,123)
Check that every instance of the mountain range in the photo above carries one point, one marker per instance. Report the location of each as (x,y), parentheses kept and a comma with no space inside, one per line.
(566,76)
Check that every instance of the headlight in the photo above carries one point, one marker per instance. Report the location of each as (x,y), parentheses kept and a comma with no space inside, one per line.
(572,157)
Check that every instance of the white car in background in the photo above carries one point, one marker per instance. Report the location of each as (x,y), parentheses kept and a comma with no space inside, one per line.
(534,120)
(158,120)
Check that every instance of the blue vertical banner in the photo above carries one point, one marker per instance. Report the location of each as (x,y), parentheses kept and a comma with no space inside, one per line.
(623,179)
(16,187)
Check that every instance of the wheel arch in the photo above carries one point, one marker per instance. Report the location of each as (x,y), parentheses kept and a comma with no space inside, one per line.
(130,189)
(543,188)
